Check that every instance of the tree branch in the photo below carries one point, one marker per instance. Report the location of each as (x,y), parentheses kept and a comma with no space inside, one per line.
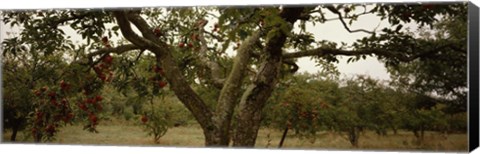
(218,38)
(333,10)
(142,25)
(127,31)
(255,96)
(73,16)
(389,54)
(173,73)
(338,18)
(214,67)
(117,50)
(230,91)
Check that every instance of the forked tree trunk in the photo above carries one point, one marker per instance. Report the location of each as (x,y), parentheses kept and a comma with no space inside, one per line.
(216,125)
(257,94)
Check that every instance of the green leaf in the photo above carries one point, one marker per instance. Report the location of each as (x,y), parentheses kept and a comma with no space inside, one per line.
(115,28)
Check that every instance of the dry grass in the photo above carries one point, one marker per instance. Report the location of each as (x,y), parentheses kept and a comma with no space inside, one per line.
(116,132)
(403,141)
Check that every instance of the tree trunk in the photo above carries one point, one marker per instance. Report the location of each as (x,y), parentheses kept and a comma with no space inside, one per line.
(422,133)
(215,139)
(214,136)
(395,131)
(215,125)
(415,133)
(253,101)
(38,137)
(256,95)
(230,93)
(353,135)
(284,135)
(178,84)
(13,137)
(17,124)
(248,122)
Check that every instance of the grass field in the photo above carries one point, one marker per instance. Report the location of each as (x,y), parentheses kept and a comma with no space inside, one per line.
(125,133)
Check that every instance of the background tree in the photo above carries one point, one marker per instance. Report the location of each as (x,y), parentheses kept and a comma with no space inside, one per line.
(27,75)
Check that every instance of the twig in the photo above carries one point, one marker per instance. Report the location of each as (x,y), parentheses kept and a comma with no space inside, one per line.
(332,9)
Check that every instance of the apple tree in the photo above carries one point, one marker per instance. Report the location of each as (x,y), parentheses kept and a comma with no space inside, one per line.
(192,45)
(302,104)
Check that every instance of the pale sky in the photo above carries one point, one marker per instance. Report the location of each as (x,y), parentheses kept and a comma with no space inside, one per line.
(334,31)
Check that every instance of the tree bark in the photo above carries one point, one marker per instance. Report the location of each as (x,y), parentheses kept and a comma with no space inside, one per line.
(353,135)
(13,137)
(216,126)
(173,74)
(284,135)
(254,98)
(230,91)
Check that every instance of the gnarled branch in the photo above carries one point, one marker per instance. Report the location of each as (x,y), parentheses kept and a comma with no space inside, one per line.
(333,10)
(214,67)
(127,31)
(230,91)
(117,50)
(380,52)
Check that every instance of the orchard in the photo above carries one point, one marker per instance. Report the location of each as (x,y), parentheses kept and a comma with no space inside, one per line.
(229,65)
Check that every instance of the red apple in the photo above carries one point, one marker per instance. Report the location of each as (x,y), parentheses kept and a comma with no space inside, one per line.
(428,6)
(64,102)
(158,69)
(107,59)
(50,129)
(144,119)
(54,101)
(93,118)
(39,115)
(105,40)
(37,93)
(68,117)
(83,107)
(102,65)
(99,107)
(406,14)
(215,27)
(162,84)
(181,44)
(98,98)
(102,76)
(157,32)
(52,94)
(64,85)
(91,100)
(34,131)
